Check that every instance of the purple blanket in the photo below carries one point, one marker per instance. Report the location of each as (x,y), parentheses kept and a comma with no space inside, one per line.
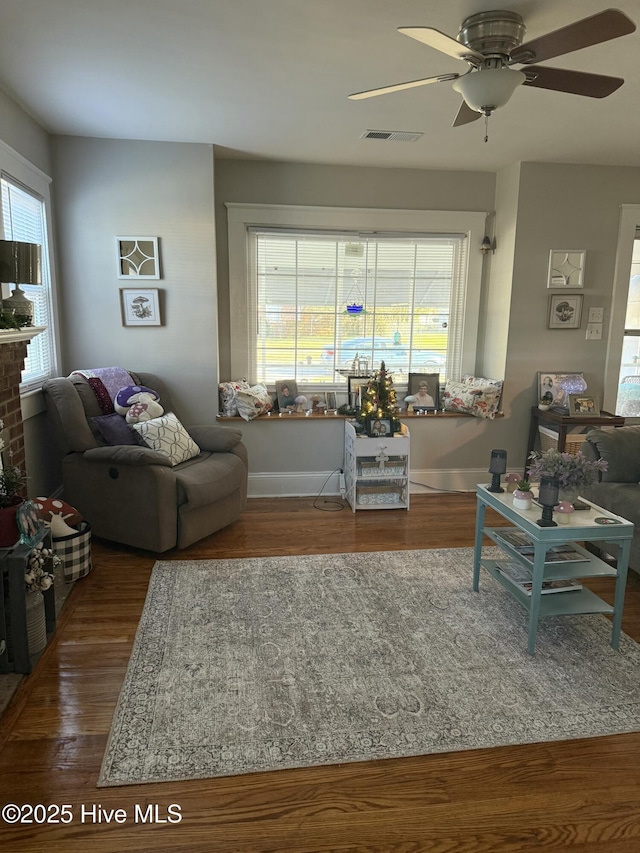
(106,382)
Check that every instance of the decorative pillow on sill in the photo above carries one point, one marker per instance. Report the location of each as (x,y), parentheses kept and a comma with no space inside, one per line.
(228,396)
(253,401)
(480,381)
(166,435)
(481,401)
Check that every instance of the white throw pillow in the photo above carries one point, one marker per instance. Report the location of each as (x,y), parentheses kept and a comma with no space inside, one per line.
(166,435)
(253,401)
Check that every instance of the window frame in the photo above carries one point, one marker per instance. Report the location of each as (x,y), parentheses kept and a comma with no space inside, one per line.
(628,225)
(18,169)
(242,216)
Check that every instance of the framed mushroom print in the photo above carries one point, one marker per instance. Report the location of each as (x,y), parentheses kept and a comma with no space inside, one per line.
(140,307)
(565,311)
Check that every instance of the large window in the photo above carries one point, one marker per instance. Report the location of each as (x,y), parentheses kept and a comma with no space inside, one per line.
(24,214)
(327,303)
(399,287)
(628,401)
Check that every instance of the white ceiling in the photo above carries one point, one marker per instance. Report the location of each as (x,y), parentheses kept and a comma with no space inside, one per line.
(270,78)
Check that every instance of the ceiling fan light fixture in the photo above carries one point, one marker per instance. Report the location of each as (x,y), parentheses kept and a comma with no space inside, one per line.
(489,88)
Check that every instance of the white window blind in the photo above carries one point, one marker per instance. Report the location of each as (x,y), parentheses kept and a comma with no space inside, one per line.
(308,287)
(24,219)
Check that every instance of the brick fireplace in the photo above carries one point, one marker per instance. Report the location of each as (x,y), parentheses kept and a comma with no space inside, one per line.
(13,351)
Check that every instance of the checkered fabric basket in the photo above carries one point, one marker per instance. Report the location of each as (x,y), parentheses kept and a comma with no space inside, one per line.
(75,552)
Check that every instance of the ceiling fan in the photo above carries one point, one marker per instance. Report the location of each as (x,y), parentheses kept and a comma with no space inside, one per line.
(492,42)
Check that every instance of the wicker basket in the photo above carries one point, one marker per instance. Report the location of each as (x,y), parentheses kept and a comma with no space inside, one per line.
(382,493)
(392,467)
(549,441)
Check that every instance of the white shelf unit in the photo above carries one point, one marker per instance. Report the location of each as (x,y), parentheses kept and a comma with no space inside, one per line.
(376,470)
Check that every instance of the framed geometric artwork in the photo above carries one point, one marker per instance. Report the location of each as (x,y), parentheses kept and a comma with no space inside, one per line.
(565,311)
(140,307)
(566,268)
(138,257)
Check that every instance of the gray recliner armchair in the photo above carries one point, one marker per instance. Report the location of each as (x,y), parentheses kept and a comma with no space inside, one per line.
(132,494)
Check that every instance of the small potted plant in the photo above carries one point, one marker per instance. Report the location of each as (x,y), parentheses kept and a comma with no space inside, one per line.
(544,404)
(522,495)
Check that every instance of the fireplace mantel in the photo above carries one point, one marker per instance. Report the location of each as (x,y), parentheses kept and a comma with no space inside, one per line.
(10,336)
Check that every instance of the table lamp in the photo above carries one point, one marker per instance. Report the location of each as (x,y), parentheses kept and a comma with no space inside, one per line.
(20,263)
(497,466)
(573,383)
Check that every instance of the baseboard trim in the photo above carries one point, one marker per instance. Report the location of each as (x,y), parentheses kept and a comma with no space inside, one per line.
(313,483)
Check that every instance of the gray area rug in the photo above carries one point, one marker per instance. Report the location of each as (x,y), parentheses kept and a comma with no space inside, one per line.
(271,663)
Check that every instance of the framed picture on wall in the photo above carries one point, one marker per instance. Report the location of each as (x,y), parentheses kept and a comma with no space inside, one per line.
(565,311)
(138,257)
(566,268)
(140,307)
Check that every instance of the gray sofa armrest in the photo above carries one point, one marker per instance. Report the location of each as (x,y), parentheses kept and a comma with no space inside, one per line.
(216,439)
(126,454)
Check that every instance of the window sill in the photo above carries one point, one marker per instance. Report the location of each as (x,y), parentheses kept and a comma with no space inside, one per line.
(403,416)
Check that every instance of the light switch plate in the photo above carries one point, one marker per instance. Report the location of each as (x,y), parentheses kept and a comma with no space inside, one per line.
(596,315)
(594,332)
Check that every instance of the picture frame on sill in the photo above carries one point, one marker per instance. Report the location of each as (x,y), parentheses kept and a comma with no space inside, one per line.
(565,311)
(140,307)
(29,523)
(286,393)
(138,257)
(583,404)
(425,387)
(330,401)
(566,268)
(549,388)
(379,427)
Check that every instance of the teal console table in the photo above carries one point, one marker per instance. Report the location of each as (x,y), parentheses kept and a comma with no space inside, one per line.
(583,528)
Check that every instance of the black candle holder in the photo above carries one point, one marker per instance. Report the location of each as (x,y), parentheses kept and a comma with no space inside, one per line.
(548,498)
(497,466)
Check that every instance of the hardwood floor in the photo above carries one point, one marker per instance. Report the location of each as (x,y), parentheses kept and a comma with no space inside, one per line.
(579,796)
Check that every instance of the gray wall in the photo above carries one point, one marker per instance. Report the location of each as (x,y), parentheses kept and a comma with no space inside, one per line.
(106,188)
(538,207)
(25,136)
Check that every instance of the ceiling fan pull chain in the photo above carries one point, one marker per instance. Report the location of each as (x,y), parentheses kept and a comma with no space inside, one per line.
(486,128)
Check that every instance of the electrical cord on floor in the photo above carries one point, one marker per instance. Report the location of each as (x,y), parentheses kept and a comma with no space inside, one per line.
(438,489)
(339,504)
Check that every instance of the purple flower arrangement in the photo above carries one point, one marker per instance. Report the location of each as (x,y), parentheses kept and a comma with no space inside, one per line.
(571,469)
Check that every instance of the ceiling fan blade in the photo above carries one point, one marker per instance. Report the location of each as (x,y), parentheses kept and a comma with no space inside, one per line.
(603,26)
(465,115)
(443,43)
(574,82)
(399,87)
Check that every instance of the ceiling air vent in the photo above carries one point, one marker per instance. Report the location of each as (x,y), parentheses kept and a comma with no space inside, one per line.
(392,135)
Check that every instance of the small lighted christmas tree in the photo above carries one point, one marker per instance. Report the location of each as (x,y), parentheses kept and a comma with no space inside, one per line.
(378,398)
